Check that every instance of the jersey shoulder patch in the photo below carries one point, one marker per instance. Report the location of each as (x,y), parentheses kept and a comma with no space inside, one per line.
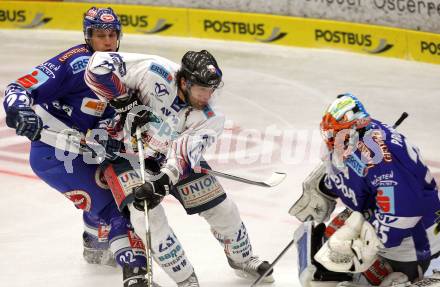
(208,112)
(34,79)
(79,64)
(162,72)
(77,50)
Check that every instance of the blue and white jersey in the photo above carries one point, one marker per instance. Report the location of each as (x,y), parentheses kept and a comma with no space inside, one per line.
(386,178)
(61,97)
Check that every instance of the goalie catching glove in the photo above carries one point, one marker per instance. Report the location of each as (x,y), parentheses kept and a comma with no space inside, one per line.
(352,248)
(314,204)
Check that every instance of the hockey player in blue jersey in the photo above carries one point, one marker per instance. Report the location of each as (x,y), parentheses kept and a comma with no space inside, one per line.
(62,101)
(389,231)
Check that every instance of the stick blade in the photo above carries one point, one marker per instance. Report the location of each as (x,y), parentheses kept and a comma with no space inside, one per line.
(275,179)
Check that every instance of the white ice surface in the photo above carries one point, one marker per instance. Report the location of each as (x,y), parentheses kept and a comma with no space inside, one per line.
(273,98)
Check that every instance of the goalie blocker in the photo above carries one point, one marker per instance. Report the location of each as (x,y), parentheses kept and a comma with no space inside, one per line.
(314,203)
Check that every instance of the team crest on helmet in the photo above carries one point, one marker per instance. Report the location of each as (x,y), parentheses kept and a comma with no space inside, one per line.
(212,69)
(107,18)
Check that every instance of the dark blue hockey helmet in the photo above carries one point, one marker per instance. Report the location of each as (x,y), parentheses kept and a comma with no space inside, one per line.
(101,18)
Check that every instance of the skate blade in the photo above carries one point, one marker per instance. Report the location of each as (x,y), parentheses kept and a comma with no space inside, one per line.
(267,280)
(104,257)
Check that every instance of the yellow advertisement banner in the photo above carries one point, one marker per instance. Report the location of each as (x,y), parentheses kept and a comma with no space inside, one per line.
(424,47)
(223,25)
(297,32)
(366,39)
(238,26)
(69,16)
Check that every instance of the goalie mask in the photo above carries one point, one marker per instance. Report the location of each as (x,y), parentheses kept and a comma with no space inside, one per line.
(344,116)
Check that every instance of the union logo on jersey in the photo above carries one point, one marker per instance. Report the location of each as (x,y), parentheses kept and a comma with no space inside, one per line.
(199,191)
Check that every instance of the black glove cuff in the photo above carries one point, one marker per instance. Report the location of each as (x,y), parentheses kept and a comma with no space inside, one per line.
(11,116)
(142,195)
(164,180)
(324,189)
(125,105)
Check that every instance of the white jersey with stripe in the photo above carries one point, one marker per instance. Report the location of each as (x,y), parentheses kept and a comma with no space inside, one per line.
(176,129)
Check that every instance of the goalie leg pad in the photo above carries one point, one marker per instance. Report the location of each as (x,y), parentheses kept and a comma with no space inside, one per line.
(308,240)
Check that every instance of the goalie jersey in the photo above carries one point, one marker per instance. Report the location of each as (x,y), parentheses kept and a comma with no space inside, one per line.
(386,179)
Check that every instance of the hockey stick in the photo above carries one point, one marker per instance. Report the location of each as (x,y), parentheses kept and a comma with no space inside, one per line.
(402,117)
(147,225)
(72,137)
(275,179)
(259,279)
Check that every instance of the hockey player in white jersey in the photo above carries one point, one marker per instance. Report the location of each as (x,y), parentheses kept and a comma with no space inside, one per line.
(178,125)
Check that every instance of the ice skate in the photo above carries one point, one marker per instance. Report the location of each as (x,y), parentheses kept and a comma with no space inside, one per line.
(93,255)
(252,269)
(191,281)
(135,277)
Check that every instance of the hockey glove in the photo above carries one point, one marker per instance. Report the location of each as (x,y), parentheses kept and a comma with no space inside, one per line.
(25,122)
(107,148)
(352,248)
(314,203)
(152,192)
(112,147)
(124,106)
